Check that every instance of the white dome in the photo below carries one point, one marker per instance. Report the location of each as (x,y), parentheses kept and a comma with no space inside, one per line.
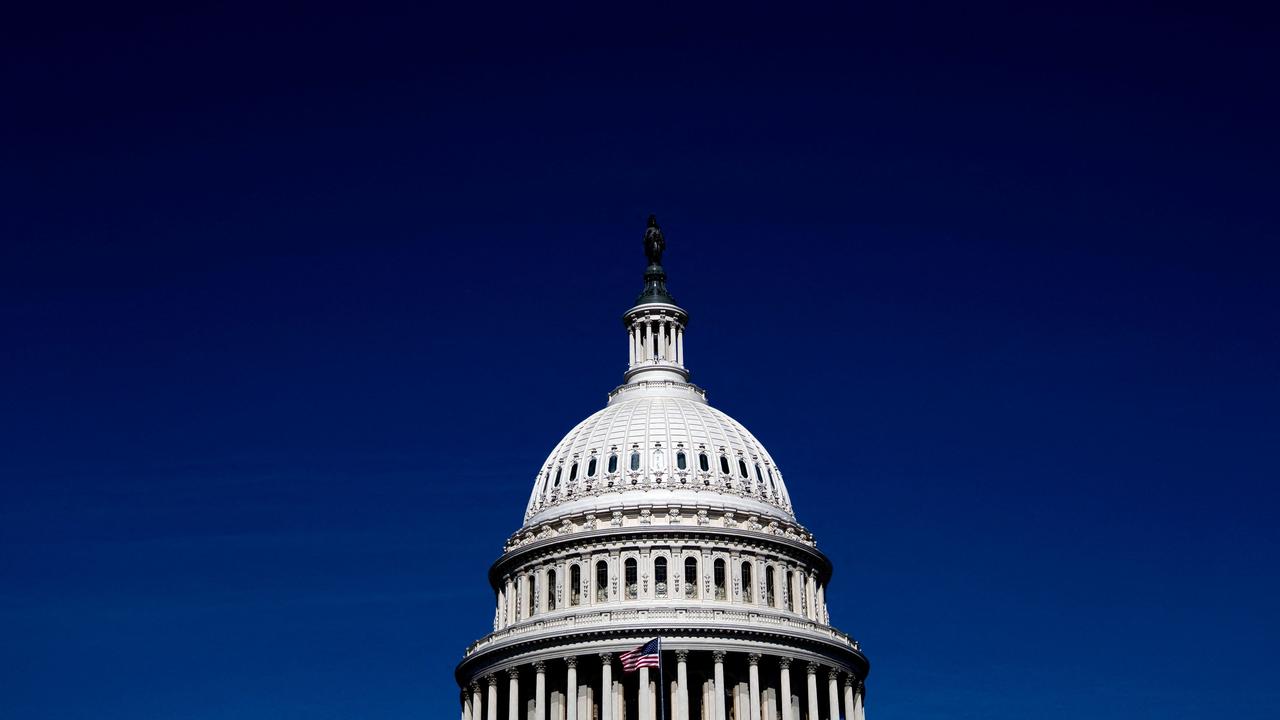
(629,454)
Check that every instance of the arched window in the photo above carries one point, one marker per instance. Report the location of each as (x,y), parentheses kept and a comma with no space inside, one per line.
(770,592)
(703,463)
(759,479)
(660,577)
(789,590)
(573,471)
(575,585)
(551,590)
(717,570)
(742,469)
(682,463)
(528,596)
(591,467)
(556,484)
(724,467)
(613,463)
(602,581)
(632,584)
(635,460)
(748,587)
(691,577)
(772,485)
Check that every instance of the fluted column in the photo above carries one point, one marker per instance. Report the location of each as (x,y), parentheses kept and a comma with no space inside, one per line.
(811,672)
(784,686)
(848,698)
(606,686)
(491,707)
(642,694)
(833,693)
(513,694)
(571,688)
(682,682)
(753,680)
(540,691)
(718,657)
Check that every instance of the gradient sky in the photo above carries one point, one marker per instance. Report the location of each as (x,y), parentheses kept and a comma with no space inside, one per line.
(294,302)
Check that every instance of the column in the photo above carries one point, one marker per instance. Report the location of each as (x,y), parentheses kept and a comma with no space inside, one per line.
(513,694)
(642,692)
(822,606)
(651,327)
(753,678)
(809,596)
(858,709)
(811,672)
(571,689)
(662,347)
(477,707)
(540,691)
(606,686)
(631,346)
(468,706)
(682,681)
(784,686)
(680,345)
(848,698)
(833,693)
(492,713)
(718,657)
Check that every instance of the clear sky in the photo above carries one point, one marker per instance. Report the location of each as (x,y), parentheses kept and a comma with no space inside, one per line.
(293,303)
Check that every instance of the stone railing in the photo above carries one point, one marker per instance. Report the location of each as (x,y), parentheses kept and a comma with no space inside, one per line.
(674,617)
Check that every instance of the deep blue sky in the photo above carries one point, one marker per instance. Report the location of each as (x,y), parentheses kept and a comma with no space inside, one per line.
(293,302)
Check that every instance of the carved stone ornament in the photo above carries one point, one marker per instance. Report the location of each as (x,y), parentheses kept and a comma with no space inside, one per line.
(784,663)
(493,679)
(718,655)
(539,666)
(571,661)
(753,659)
(606,658)
(812,668)
(513,673)
(682,655)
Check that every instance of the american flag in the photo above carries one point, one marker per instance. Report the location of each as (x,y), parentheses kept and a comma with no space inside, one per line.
(647,655)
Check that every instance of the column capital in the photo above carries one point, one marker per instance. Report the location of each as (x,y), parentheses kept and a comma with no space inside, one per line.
(833,674)
(812,668)
(718,655)
(848,681)
(682,655)
(475,686)
(571,661)
(539,666)
(513,673)
(492,679)
(753,659)
(784,663)
(606,658)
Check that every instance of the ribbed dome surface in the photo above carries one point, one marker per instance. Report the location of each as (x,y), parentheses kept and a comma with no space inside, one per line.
(661,445)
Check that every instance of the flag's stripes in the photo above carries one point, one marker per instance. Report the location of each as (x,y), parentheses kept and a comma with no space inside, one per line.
(646,655)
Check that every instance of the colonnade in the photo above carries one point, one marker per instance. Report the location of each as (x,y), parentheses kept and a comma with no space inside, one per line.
(701,685)
(659,339)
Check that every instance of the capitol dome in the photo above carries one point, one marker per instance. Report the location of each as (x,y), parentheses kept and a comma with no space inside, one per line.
(661,522)
(659,442)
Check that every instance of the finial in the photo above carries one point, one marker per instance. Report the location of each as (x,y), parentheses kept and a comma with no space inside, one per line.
(655,278)
(654,243)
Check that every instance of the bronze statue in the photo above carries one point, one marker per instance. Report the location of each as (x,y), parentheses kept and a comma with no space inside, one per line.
(654,243)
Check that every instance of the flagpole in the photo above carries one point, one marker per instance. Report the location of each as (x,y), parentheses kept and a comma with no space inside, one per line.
(662,684)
